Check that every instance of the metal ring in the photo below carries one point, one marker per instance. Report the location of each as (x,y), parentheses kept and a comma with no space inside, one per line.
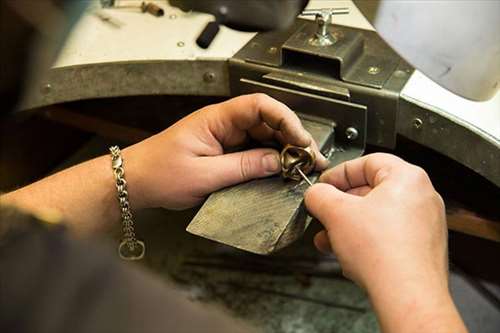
(294,156)
(136,253)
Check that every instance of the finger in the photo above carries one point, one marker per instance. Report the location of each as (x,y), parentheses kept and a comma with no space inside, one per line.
(321,161)
(265,133)
(326,203)
(360,191)
(247,111)
(369,170)
(234,168)
(322,242)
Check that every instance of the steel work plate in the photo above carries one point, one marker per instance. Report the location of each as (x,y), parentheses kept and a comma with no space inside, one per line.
(262,215)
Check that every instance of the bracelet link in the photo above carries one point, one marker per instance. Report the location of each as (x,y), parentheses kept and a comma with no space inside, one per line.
(130,247)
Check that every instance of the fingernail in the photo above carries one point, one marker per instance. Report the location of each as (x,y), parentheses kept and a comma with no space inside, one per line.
(271,163)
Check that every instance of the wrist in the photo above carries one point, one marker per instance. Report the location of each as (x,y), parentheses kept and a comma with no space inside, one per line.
(418,303)
(137,183)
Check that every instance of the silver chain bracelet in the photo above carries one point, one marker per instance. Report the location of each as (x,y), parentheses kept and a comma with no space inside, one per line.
(130,247)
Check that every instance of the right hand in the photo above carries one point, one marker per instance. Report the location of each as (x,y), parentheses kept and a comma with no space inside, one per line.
(387,227)
(381,214)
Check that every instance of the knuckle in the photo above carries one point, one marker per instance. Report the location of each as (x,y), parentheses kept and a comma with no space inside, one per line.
(258,99)
(419,175)
(385,157)
(245,166)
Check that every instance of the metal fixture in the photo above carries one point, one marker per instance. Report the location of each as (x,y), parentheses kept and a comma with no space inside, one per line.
(209,77)
(46,88)
(417,123)
(323,37)
(351,133)
(373,70)
(145,7)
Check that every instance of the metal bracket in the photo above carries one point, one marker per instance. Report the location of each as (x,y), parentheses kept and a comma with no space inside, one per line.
(359,67)
(334,87)
(265,215)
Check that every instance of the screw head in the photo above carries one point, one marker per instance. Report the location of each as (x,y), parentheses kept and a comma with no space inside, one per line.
(400,73)
(172,16)
(46,88)
(373,70)
(180,44)
(272,50)
(209,77)
(351,133)
(417,123)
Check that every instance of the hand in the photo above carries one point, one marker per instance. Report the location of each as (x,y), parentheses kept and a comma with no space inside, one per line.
(180,166)
(387,227)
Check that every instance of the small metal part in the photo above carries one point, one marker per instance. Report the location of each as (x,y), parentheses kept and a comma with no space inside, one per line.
(373,70)
(351,133)
(46,88)
(180,44)
(297,162)
(152,9)
(145,7)
(417,123)
(323,37)
(303,175)
(209,77)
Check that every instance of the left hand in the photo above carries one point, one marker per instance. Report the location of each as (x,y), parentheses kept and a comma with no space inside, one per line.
(180,166)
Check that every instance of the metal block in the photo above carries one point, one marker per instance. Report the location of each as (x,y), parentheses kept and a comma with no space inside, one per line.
(262,215)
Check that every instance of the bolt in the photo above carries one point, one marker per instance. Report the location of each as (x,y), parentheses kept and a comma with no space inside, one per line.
(46,88)
(373,70)
(400,74)
(272,50)
(351,133)
(417,123)
(209,77)
(180,44)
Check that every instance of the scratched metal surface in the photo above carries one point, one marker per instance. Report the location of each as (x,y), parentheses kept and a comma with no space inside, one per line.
(262,215)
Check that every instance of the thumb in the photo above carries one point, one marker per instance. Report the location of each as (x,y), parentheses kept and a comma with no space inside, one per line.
(234,168)
(327,203)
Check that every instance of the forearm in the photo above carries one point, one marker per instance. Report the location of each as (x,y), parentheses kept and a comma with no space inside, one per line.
(84,195)
(423,306)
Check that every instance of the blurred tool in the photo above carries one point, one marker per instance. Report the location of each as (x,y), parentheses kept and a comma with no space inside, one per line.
(115,23)
(242,15)
(148,7)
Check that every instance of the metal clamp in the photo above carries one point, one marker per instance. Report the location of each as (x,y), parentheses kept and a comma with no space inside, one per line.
(323,37)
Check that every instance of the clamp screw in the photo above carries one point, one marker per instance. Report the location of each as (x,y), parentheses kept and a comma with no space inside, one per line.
(46,88)
(373,70)
(209,77)
(417,123)
(351,133)
(323,37)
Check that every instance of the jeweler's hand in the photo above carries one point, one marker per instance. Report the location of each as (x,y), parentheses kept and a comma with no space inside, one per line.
(387,226)
(180,166)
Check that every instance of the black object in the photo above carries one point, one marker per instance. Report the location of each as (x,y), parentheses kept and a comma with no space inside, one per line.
(243,15)
(208,34)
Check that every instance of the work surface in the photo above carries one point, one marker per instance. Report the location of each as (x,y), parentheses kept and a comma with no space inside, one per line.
(296,290)
(146,38)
